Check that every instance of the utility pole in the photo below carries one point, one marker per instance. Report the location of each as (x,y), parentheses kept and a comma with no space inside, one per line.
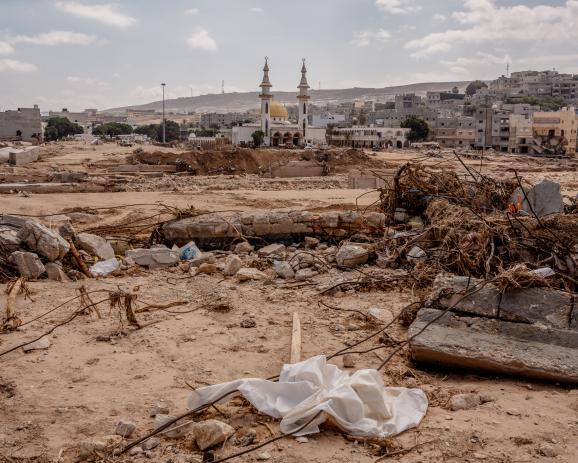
(223,87)
(164,122)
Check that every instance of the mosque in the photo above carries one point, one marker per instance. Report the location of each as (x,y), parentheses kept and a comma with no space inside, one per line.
(275,123)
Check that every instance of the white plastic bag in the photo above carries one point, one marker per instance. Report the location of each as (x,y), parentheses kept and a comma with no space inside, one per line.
(359,404)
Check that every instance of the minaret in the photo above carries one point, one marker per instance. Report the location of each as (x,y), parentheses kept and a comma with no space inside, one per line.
(266,99)
(303,99)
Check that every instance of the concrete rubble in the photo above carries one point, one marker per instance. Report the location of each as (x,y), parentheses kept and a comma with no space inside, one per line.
(28,264)
(43,241)
(95,245)
(544,199)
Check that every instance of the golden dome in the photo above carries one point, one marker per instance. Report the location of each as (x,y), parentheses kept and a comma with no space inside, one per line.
(278,110)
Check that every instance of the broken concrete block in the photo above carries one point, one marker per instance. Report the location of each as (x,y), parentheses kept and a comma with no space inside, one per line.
(544,198)
(42,344)
(43,241)
(209,433)
(154,257)
(124,428)
(246,274)
(272,250)
(29,264)
(55,272)
(232,265)
(284,270)
(351,255)
(24,156)
(95,245)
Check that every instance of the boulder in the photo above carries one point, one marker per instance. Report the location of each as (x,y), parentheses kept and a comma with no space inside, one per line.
(95,245)
(29,264)
(9,241)
(232,265)
(43,241)
(351,255)
(209,433)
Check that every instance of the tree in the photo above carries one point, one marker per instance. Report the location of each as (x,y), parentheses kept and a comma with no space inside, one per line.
(155,131)
(474,86)
(547,103)
(112,129)
(60,127)
(419,130)
(258,137)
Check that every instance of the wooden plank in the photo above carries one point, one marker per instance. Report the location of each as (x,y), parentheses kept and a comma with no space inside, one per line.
(296,339)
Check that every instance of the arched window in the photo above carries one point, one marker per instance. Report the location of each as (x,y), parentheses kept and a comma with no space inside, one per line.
(304,108)
(267,108)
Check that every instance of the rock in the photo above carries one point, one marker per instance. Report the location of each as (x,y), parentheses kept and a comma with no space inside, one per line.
(135,451)
(105,267)
(124,428)
(92,447)
(43,241)
(232,265)
(415,254)
(302,439)
(243,247)
(544,198)
(209,433)
(272,250)
(75,275)
(375,219)
(400,215)
(547,450)
(42,344)
(120,247)
(204,258)
(160,408)
(9,241)
(310,242)
(248,438)
(349,361)
(207,268)
(175,431)
(154,257)
(305,274)
(95,246)
(351,255)
(246,274)
(67,231)
(263,456)
(29,264)
(284,270)
(55,272)
(151,443)
(248,323)
(382,315)
(465,401)
(513,412)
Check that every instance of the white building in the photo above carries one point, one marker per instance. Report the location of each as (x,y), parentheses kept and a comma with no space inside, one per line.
(326,118)
(275,124)
(369,137)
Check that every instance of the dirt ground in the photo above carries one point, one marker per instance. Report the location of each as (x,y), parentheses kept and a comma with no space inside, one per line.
(99,369)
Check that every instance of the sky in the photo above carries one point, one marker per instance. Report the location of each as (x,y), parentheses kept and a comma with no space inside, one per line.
(108,53)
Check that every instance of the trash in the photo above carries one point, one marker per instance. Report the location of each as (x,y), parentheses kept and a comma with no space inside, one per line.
(307,388)
(284,270)
(544,272)
(209,433)
(41,240)
(95,245)
(189,251)
(29,264)
(232,265)
(351,255)
(42,344)
(104,267)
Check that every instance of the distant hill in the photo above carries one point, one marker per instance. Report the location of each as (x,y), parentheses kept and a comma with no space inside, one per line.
(233,102)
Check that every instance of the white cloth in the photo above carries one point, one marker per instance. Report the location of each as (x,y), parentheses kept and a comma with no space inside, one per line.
(359,403)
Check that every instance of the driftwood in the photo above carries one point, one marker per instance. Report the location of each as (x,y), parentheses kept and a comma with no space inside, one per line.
(11,322)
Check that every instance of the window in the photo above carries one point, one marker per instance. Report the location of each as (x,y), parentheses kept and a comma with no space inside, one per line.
(304,108)
(267,108)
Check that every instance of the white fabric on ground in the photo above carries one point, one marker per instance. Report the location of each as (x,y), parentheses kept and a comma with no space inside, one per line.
(358,403)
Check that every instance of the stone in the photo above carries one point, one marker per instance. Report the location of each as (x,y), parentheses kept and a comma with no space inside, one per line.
(174,431)
(416,254)
(209,433)
(55,272)
(263,456)
(310,242)
(9,241)
(547,450)
(67,231)
(207,268)
(544,198)
(28,264)
(91,447)
(95,245)
(159,408)
(349,361)
(246,274)
(382,315)
(151,443)
(302,439)
(154,257)
(305,274)
(465,401)
(272,250)
(232,265)
(513,412)
(284,270)
(43,241)
(203,258)
(351,255)
(375,219)
(248,438)
(135,451)
(124,428)
(42,344)
(248,323)
(244,247)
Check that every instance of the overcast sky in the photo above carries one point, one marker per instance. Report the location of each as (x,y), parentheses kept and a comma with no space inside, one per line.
(106,53)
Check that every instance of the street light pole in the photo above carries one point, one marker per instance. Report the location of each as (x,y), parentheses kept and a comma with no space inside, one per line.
(164,121)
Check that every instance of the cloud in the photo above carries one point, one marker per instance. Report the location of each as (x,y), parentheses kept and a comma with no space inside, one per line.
(192,11)
(105,13)
(483,22)
(16,66)
(6,48)
(479,59)
(439,17)
(85,81)
(365,39)
(397,6)
(201,40)
(55,38)
(257,10)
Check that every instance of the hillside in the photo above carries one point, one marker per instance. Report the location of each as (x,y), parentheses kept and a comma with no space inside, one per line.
(249,100)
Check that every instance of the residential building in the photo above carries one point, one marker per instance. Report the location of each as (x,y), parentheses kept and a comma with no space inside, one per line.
(407,101)
(326,118)
(369,137)
(455,132)
(555,131)
(24,124)
(221,119)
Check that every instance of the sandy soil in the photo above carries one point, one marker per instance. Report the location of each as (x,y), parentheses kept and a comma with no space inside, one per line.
(99,370)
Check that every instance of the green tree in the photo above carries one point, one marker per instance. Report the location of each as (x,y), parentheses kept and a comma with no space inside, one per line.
(112,129)
(155,131)
(419,130)
(60,127)
(547,103)
(474,86)
(258,137)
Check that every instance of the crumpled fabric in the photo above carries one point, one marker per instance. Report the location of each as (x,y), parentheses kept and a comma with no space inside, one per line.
(359,403)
